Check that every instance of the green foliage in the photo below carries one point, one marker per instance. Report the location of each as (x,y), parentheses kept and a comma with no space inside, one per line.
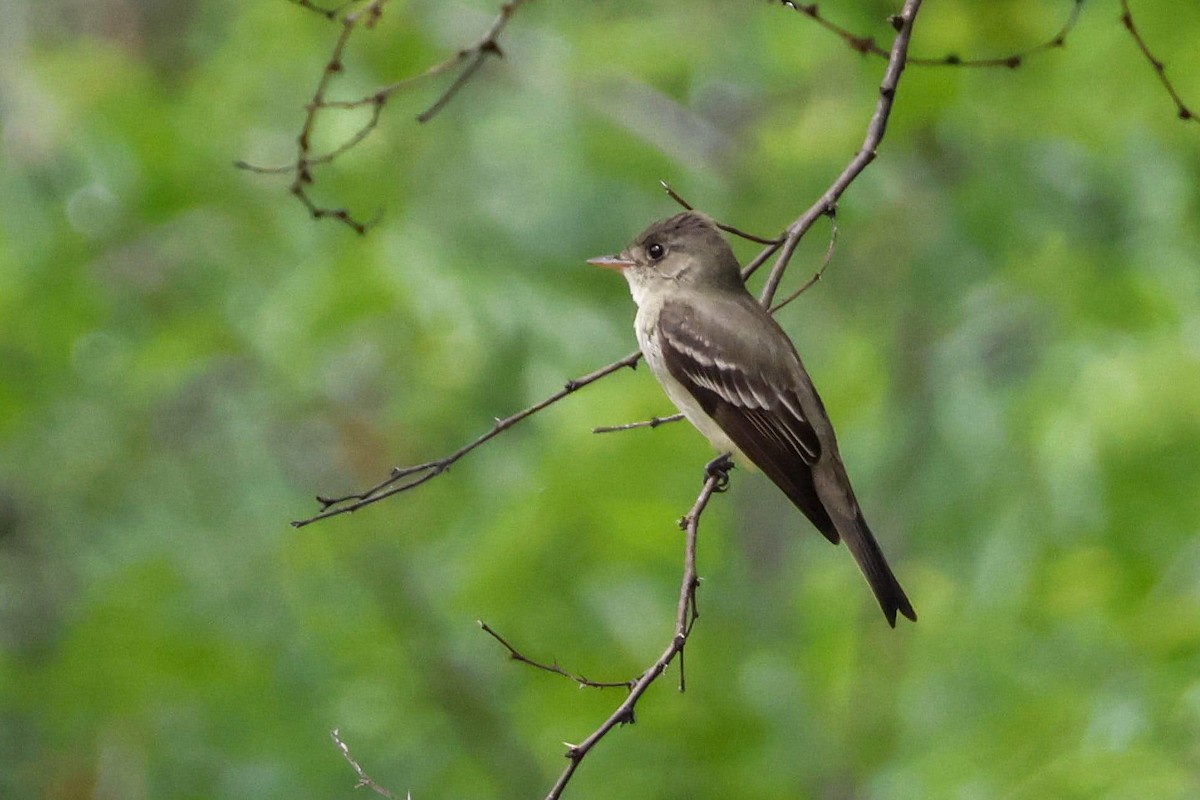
(1007,338)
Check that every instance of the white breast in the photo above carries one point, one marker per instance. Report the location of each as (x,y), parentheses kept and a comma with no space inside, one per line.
(646,330)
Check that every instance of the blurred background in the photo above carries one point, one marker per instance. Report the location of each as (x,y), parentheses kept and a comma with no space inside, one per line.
(1008,339)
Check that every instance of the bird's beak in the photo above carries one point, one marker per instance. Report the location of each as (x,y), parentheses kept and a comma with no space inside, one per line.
(611,262)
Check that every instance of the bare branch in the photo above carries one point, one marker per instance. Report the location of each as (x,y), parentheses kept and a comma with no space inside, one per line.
(833,233)
(302,166)
(327,13)
(404,478)
(868,46)
(653,422)
(516,655)
(368,15)
(474,56)
(750,237)
(716,479)
(364,780)
(866,154)
(685,617)
(1160,69)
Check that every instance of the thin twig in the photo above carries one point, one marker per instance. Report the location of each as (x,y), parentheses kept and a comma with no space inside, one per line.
(327,13)
(685,617)
(364,780)
(1160,69)
(868,46)
(304,160)
(517,655)
(473,57)
(488,45)
(395,483)
(653,422)
(833,233)
(750,237)
(875,132)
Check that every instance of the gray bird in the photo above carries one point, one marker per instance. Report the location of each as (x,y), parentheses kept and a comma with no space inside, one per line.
(728,366)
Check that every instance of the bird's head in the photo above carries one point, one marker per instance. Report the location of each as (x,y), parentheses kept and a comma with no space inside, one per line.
(685,250)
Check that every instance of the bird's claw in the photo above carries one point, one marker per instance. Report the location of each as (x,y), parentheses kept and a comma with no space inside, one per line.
(718,469)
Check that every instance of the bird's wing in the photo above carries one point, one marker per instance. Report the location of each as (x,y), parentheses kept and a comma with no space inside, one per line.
(762,415)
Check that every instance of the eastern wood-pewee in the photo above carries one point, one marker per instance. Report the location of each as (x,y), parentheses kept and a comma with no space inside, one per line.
(733,372)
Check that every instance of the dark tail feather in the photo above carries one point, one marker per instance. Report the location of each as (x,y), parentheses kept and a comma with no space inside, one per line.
(874,566)
(798,485)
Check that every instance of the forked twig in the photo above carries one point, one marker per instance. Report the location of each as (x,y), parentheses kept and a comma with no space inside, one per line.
(473,57)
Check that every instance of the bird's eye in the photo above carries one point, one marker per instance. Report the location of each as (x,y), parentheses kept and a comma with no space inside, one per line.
(655,251)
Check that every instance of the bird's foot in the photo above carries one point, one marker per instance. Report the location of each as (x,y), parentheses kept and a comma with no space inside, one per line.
(719,468)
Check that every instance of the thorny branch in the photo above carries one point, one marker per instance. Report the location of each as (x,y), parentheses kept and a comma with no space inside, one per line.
(868,46)
(301,168)
(473,57)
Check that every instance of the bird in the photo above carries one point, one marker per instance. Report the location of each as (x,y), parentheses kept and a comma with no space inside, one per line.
(732,371)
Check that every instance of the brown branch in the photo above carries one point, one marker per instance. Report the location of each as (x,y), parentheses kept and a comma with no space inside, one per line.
(418,474)
(653,422)
(327,13)
(866,154)
(364,780)
(1160,69)
(488,45)
(686,615)
(811,282)
(750,237)
(473,57)
(868,46)
(302,166)
(716,479)
(516,655)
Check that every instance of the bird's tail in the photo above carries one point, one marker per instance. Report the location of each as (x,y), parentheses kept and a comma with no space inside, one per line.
(874,566)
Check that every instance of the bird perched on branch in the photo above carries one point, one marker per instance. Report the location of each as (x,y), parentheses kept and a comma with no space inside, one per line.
(728,366)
